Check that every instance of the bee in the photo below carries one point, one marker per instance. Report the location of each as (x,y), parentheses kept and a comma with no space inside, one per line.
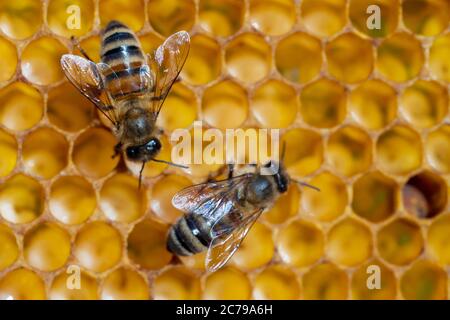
(219,214)
(128,87)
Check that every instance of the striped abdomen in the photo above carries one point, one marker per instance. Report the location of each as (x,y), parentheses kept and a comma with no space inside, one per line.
(121,50)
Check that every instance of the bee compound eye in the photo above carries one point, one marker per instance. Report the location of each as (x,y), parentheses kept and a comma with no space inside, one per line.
(153,145)
(132,152)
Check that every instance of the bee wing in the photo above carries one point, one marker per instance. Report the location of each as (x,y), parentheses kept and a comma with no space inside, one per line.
(166,65)
(87,78)
(226,240)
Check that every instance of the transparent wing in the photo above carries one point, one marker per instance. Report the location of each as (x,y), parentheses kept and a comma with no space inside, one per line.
(86,77)
(166,65)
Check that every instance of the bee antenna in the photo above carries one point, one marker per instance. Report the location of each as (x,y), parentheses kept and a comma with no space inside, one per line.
(283,150)
(170,163)
(140,174)
(306,185)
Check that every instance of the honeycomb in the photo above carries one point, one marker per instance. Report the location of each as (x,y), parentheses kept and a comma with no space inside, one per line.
(363,113)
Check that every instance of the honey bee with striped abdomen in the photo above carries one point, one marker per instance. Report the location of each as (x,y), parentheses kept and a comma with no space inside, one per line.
(128,87)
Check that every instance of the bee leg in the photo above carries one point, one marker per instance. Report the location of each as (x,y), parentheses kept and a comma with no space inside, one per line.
(76,44)
(230,170)
(117,150)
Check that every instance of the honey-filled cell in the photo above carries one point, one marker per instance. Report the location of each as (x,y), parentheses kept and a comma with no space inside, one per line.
(436,149)
(150,42)
(132,14)
(424,281)
(325,282)
(426,17)
(21,107)
(438,237)
(22,284)
(400,242)
(72,199)
(350,58)
(298,57)
(40,61)
(121,199)
(273,17)
(9,59)
(8,150)
(21,199)
(400,57)
(70,18)
(285,207)
(98,246)
(359,11)
(168,17)
(323,17)
(221,18)
(438,61)
(300,243)
(176,283)
(146,245)
(248,58)
(227,284)
(373,104)
(323,103)
(90,45)
(374,196)
(9,249)
(20,19)
(399,150)
(364,289)
(66,287)
(225,105)
(46,246)
(124,284)
(276,282)
(44,153)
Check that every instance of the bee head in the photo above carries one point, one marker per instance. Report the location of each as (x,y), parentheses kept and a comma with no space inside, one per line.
(144,152)
(279,175)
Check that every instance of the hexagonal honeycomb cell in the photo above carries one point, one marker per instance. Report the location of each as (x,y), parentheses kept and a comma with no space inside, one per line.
(124,284)
(388,11)
(276,283)
(177,283)
(438,156)
(273,17)
(8,149)
(427,18)
(79,22)
(323,17)
(221,18)
(386,289)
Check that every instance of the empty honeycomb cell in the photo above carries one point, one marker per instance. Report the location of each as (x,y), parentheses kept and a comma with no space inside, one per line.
(92,152)
(124,284)
(70,18)
(399,150)
(73,284)
(424,104)
(276,283)
(176,283)
(227,284)
(44,153)
(147,244)
(40,61)
(304,153)
(426,17)
(162,193)
(248,57)
(21,107)
(21,199)
(131,14)
(121,199)
(438,239)
(46,246)
(225,105)
(350,58)
(374,196)
(425,195)
(98,246)
(9,250)
(68,109)
(298,57)
(400,242)
(328,203)
(325,282)
(364,15)
(222,18)
(323,17)
(349,243)
(400,57)
(374,281)
(273,17)
(22,284)
(349,150)
(285,207)
(168,17)
(274,104)
(436,149)
(203,64)
(424,281)
(373,104)
(323,103)
(8,150)
(256,250)
(9,60)
(91,45)
(300,243)
(20,19)
(72,199)
(438,62)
